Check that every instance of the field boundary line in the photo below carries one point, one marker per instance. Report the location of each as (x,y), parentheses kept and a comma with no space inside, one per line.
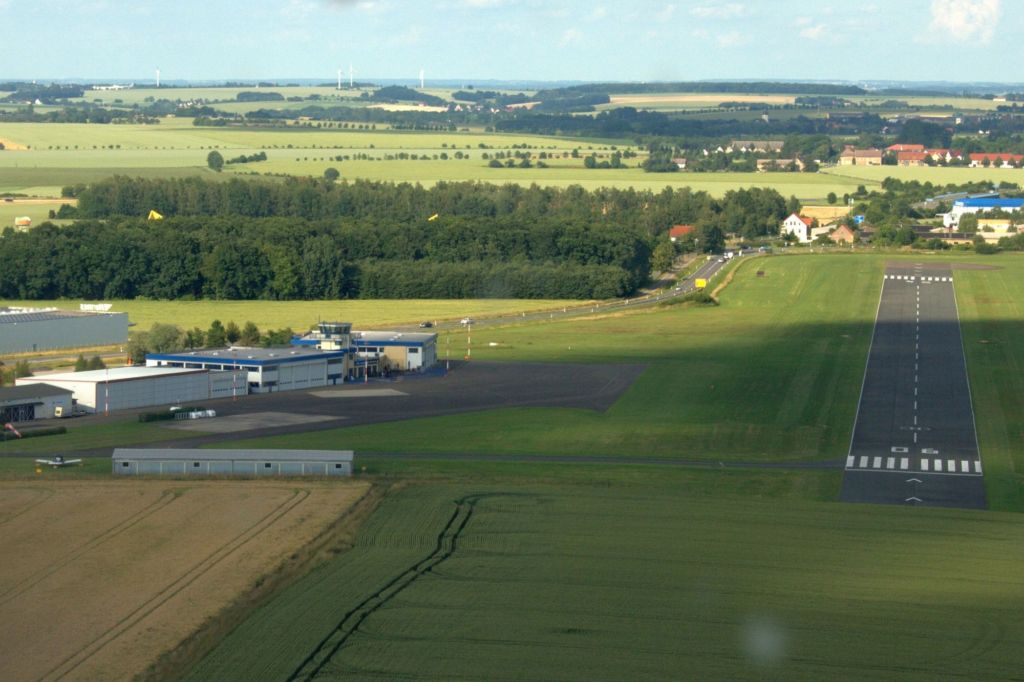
(70,663)
(165,499)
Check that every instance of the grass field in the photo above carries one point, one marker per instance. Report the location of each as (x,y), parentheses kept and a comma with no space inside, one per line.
(304,315)
(653,581)
(128,569)
(873,175)
(772,374)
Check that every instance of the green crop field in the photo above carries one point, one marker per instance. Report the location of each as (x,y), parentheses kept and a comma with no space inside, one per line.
(304,315)
(665,580)
(62,154)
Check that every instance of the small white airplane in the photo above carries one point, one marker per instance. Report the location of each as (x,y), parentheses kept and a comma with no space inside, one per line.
(58,462)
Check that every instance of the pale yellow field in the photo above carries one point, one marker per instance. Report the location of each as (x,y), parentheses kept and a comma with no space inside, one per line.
(101,578)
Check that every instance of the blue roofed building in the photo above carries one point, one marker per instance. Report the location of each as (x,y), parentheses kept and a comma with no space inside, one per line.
(980,205)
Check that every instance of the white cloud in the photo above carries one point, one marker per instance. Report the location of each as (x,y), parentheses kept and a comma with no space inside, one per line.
(727,11)
(813,32)
(730,39)
(804,21)
(410,36)
(966,20)
(571,36)
(665,13)
(598,14)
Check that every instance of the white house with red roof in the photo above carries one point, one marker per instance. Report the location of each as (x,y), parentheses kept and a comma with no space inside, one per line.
(797,225)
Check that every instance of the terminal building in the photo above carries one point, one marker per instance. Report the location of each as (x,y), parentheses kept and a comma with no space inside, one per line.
(29,330)
(35,401)
(124,388)
(266,370)
(374,352)
(247,463)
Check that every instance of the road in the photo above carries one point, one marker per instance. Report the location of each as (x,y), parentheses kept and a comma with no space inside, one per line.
(706,271)
(914,438)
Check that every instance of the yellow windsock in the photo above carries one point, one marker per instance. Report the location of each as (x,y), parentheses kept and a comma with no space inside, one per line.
(433,217)
(153,215)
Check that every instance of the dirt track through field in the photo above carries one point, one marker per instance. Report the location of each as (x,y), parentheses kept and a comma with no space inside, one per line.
(447,543)
(102,578)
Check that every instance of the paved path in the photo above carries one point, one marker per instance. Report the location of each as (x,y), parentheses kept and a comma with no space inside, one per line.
(914,439)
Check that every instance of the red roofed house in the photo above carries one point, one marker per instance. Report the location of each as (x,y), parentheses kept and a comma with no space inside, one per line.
(679,231)
(905,148)
(997,160)
(911,158)
(843,235)
(797,225)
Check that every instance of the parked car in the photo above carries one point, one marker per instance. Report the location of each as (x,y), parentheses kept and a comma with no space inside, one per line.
(467,320)
(426,325)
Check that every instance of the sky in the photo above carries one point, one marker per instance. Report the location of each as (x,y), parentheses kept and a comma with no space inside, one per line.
(536,40)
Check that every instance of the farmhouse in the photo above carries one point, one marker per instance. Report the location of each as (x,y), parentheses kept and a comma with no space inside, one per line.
(24,330)
(851,156)
(123,388)
(34,401)
(897,148)
(679,232)
(756,145)
(797,225)
(780,164)
(247,463)
(843,235)
(912,158)
(996,160)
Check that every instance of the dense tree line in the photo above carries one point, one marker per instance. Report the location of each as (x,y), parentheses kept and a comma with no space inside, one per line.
(316,239)
(706,86)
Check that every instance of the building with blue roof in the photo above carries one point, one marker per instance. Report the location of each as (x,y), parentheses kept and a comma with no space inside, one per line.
(980,205)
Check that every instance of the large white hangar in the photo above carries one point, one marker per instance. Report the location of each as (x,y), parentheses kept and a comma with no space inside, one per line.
(268,370)
(27,330)
(248,463)
(123,388)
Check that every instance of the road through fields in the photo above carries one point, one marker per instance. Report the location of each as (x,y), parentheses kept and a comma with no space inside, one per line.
(914,440)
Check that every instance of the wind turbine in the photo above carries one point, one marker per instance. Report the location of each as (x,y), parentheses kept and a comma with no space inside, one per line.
(350,82)
(421,79)
(158,78)
(339,79)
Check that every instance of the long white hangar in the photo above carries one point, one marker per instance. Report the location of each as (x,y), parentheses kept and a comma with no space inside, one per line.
(246,463)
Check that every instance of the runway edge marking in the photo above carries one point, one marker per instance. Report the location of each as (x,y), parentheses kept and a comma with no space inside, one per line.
(967,374)
(867,361)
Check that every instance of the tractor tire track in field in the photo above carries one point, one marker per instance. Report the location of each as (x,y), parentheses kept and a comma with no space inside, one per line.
(109,534)
(70,663)
(447,543)
(46,493)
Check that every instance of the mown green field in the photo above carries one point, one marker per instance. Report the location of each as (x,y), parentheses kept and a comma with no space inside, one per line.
(773,373)
(671,579)
(304,315)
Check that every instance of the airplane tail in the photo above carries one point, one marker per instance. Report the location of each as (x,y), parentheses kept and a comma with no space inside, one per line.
(10,427)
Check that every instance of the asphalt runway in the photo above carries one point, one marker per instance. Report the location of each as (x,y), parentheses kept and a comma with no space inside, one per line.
(914,439)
